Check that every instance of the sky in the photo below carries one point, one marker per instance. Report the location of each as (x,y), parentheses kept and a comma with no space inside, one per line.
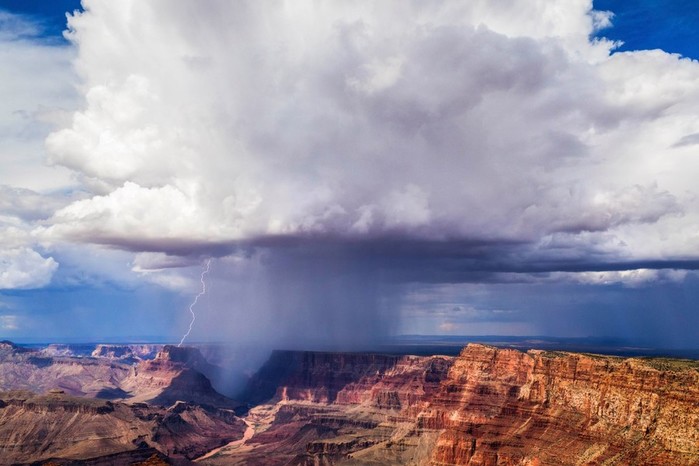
(354,171)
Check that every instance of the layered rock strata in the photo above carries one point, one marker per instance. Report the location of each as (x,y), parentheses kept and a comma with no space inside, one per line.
(23,369)
(175,374)
(34,428)
(330,408)
(504,407)
(487,406)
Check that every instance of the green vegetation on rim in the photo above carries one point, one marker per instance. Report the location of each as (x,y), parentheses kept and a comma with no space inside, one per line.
(670,364)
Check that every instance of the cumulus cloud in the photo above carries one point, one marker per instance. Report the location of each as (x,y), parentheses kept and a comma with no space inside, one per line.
(28,205)
(631,278)
(25,268)
(36,93)
(431,121)
(21,265)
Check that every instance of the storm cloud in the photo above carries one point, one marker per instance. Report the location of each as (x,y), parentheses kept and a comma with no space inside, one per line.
(432,121)
(332,155)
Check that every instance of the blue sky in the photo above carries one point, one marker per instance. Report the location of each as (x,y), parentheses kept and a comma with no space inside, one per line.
(51,15)
(352,177)
(649,24)
(641,24)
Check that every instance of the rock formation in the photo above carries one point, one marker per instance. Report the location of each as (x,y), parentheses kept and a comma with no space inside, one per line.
(23,369)
(174,374)
(506,407)
(487,406)
(330,408)
(385,381)
(40,427)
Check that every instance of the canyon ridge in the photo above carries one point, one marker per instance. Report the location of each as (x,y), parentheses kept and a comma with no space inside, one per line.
(155,404)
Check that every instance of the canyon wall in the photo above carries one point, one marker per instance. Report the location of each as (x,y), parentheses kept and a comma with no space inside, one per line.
(384,381)
(504,407)
(50,407)
(40,427)
(487,406)
(114,373)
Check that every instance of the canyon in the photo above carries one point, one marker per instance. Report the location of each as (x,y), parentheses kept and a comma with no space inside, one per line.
(114,372)
(42,428)
(485,406)
(82,408)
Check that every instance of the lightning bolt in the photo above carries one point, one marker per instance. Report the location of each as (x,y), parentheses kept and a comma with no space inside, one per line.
(194,303)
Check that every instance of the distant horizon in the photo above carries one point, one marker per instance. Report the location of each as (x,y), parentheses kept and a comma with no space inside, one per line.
(165,340)
(427,344)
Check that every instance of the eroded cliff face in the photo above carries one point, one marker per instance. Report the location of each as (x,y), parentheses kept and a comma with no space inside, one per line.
(174,374)
(39,427)
(165,405)
(23,369)
(487,406)
(504,407)
(392,382)
(335,408)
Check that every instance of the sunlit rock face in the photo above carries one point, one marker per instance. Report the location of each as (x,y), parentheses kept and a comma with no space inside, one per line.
(331,408)
(487,406)
(506,407)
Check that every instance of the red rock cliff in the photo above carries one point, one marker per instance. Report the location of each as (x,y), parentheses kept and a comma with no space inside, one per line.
(504,407)
(487,406)
(379,380)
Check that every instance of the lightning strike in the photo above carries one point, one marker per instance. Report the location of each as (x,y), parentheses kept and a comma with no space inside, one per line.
(194,303)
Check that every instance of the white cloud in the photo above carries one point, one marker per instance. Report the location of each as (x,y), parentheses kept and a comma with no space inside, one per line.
(25,204)
(169,280)
(25,268)
(437,120)
(21,266)
(496,130)
(631,278)
(432,120)
(13,27)
(36,92)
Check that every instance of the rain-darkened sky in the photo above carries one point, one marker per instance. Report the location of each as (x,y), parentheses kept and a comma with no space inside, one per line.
(354,170)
